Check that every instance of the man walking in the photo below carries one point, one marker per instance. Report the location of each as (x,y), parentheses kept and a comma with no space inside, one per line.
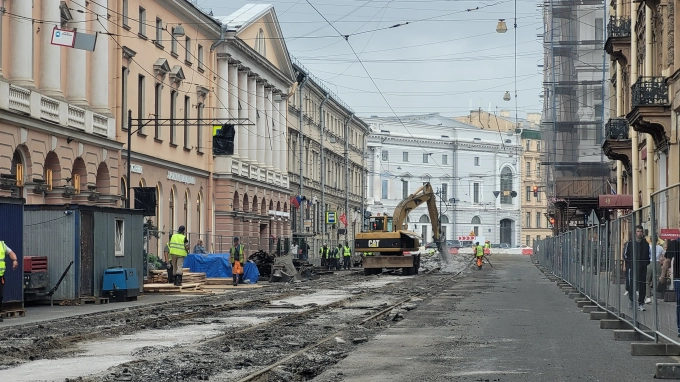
(179,248)
(236,258)
(638,254)
(5,252)
(347,257)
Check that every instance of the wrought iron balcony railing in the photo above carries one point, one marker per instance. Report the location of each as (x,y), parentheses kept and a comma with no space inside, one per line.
(650,91)
(616,128)
(618,27)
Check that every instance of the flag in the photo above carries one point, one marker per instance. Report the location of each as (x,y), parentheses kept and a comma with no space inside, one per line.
(343,219)
(295,201)
(611,187)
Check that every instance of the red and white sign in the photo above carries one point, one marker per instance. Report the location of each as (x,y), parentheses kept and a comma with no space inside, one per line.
(669,233)
(466,238)
(63,37)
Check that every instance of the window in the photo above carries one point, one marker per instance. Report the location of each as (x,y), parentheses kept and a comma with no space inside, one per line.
(445,159)
(142,21)
(157,110)
(538,169)
(187,115)
(385,156)
(187,47)
(506,186)
(538,196)
(528,144)
(538,220)
(528,194)
(199,129)
(173,43)
(538,237)
(126,12)
(119,238)
(123,100)
(404,189)
(528,239)
(528,166)
(200,56)
(599,29)
(404,156)
(476,193)
(159,32)
(384,188)
(173,115)
(445,192)
(425,158)
(598,111)
(527,223)
(140,101)
(476,161)
(538,146)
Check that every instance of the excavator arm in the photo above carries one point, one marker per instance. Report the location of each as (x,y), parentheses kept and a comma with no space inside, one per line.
(424,194)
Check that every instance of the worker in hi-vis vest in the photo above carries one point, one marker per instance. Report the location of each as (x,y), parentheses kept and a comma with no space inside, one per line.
(237,259)
(346,257)
(5,252)
(179,248)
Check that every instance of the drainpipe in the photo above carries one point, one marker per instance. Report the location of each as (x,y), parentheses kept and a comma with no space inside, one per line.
(633,78)
(347,123)
(301,138)
(619,100)
(322,122)
(649,74)
(2,16)
(223,36)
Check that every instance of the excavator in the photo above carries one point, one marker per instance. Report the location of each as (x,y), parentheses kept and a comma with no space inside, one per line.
(388,243)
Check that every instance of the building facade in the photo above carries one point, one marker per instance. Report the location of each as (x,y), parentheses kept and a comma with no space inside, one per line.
(330,161)
(474,172)
(58,139)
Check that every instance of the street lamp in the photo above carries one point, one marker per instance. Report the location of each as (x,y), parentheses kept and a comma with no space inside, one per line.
(501,27)
(506,96)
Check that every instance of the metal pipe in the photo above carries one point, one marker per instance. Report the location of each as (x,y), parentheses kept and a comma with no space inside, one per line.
(633,78)
(2,16)
(322,123)
(129,158)
(301,138)
(619,110)
(347,123)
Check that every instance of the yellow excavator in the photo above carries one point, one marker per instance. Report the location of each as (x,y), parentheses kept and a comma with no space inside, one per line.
(388,243)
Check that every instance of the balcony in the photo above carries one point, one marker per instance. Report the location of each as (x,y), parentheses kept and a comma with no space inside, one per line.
(30,103)
(617,145)
(572,189)
(651,113)
(618,40)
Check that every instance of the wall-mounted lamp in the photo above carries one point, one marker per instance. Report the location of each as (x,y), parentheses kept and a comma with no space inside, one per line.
(506,96)
(501,27)
(178,31)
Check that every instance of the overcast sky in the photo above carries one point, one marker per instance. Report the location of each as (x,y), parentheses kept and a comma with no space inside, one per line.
(442,64)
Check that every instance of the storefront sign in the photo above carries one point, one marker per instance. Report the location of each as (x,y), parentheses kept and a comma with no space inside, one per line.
(181,178)
(669,233)
(136,168)
(615,201)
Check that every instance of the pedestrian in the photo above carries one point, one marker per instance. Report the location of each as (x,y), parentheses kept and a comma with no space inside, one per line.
(638,252)
(179,248)
(199,248)
(654,263)
(346,258)
(236,258)
(5,252)
(673,252)
(323,254)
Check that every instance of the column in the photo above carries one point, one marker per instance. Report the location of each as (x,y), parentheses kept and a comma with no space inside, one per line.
(50,55)
(76,81)
(277,135)
(222,111)
(261,130)
(377,184)
(243,113)
(269,136)
(21,43)
(99,76)
(233,103)
(252,117)
(283,140)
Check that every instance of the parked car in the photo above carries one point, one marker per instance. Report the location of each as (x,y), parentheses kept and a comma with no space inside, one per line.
(454,244)
(431,246)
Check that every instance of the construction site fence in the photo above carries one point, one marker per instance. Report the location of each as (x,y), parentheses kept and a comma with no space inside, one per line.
(592,261)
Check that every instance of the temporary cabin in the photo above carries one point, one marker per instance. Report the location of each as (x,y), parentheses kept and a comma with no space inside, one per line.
(11,232)
(94,238)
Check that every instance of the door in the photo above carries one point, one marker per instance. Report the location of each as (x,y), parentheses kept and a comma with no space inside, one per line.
(506,232)
(86,254)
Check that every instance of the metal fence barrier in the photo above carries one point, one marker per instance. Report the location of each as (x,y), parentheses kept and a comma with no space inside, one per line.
(607,263)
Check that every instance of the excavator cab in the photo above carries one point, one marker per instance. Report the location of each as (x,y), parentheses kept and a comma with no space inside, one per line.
(380,224)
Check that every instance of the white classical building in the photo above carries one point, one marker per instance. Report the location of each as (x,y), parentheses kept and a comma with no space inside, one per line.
(464,164)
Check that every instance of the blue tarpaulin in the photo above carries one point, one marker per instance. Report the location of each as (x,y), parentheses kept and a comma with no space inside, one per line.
(217,265)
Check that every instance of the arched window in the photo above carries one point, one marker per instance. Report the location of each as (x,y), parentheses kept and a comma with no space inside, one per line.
(476,220)
(444,219)
(424,219)
(260,46)
(123,190)
(506,186)
(199,212)
(187,211)
(172,202)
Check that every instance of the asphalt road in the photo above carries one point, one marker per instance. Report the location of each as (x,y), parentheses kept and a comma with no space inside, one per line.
(506,323)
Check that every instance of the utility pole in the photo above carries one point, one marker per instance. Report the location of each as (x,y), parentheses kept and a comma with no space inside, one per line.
(347,123)
(322,123)
(301,137)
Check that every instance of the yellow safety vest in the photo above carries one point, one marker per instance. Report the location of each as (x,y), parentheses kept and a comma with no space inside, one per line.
(347,252)
(487,245)
(480,251)
(176,245)
(236,253)
(2,258)
(323,252)
(337,253)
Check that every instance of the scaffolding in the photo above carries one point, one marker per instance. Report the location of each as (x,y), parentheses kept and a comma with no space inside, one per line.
(574,111)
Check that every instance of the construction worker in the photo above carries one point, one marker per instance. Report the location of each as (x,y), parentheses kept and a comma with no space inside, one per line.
(487,245)
(337,254)
(5,251)
(179,248)
(236,258)
(346,257)
(323,254)
(479,254)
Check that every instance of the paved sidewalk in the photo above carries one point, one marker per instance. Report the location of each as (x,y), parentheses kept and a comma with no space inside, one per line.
(506,323)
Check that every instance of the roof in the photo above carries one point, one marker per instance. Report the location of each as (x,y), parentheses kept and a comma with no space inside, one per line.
(245,16)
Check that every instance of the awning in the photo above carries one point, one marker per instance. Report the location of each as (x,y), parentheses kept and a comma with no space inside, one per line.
(618,202)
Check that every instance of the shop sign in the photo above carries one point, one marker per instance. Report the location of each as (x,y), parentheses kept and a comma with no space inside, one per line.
(177,177)
(136,168)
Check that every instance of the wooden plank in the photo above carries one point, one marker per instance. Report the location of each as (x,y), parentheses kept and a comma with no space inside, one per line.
(230,286)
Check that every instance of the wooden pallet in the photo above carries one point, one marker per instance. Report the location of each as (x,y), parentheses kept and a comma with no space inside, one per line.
(13,313)
(170,288)
(94,300)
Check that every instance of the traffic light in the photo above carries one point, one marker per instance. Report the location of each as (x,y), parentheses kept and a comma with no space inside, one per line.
(535,191)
